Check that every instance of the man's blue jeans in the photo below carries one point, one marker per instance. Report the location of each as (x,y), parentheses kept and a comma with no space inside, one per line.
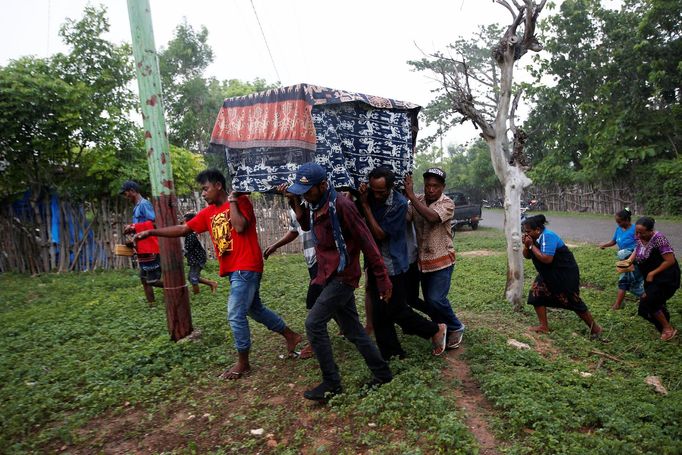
(245,299)
(435,287)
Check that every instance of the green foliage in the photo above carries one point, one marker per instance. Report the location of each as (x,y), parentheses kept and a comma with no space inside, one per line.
(660,186)
(614,103)
(192,101)
(78,346)
(59,115)
(65,121)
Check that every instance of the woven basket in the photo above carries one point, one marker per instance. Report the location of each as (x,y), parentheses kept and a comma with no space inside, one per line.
(123,250)
(624,266)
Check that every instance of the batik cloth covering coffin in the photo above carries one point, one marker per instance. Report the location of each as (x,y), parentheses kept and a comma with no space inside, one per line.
(267,135)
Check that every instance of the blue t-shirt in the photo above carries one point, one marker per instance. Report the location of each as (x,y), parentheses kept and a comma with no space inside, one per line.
(549,242)
(143,211)
(391,218)
(625,239)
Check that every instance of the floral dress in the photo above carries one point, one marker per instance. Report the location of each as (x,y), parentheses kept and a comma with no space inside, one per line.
(664,285)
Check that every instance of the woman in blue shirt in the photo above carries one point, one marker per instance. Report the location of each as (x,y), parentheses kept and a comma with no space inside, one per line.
(624,237)
(557,284)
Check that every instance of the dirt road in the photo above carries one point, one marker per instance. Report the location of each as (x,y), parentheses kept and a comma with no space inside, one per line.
(588,230)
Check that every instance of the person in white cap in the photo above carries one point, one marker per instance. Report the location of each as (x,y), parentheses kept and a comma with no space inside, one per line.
(432,213)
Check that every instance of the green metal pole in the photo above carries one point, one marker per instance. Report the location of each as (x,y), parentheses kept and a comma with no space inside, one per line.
(178,315)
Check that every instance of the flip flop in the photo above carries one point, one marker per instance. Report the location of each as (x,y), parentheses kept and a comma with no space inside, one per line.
(666,337)
(306,352)
(440,349)
(233,375)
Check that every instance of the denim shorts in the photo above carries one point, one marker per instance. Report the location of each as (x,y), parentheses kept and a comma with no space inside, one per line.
(150,272)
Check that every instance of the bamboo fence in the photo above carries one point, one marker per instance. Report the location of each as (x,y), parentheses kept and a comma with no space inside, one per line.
(90,231)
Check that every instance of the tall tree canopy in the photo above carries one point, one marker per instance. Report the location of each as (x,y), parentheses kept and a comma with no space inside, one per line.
(614,103)
(58,115)
(191,100)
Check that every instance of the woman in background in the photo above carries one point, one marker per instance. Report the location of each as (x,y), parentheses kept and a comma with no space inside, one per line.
(558,282)
(624,237)
(656,261)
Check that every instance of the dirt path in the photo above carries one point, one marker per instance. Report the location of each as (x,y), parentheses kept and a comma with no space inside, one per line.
(471,400)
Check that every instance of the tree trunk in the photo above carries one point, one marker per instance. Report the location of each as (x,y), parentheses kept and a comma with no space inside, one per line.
(512,178)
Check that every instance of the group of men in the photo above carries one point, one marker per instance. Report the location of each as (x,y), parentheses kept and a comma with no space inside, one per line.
(383,225)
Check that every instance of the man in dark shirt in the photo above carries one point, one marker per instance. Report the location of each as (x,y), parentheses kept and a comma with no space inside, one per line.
(385,211)
(340,234)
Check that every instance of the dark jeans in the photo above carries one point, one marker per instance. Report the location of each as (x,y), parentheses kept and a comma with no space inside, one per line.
(435,286)
(412,282)
(337,300)
(314,290)
(396,311)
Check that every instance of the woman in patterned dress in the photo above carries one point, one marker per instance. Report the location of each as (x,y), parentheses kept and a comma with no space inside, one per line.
(557,284)
(656,261)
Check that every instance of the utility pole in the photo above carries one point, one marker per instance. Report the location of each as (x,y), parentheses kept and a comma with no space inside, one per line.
(176,294)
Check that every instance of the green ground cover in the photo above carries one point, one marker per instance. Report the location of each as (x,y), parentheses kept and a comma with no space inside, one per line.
(82,354)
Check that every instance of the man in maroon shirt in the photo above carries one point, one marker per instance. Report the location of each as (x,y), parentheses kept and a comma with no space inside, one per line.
(340,234)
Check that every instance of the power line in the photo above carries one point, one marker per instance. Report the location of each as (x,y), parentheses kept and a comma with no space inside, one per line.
(266,42)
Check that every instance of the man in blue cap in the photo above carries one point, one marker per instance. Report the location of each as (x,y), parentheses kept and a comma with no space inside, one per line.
(340,234)
(148,252)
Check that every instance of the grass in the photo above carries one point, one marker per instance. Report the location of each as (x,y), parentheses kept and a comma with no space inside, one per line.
(85,363)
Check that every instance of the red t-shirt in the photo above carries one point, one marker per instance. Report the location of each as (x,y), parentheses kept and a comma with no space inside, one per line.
(235,251)
(150,245)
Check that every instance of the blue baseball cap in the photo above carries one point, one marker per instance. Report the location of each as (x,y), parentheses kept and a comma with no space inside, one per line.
(129,185)
(307,176)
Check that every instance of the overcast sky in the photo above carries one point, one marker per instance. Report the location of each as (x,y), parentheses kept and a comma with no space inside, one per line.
(356,45)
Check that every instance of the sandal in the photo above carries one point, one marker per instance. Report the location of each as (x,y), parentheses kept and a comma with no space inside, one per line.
(439,348)
(232,375)
(306,352)
(455,339)
(668,334)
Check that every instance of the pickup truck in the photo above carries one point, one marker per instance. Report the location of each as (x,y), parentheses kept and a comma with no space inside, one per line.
(465,212)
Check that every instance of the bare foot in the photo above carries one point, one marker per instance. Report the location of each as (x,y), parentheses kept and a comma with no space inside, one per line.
(616,306)
(539,329)
(596,334)
(235,372)
(668,334)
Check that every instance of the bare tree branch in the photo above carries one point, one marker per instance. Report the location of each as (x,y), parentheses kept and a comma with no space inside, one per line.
(506,5)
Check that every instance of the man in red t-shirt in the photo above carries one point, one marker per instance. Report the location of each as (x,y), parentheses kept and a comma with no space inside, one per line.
(231,222)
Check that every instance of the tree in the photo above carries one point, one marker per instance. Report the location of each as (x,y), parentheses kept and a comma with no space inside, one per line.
(472,171)
(615,103)
(496,120)
(59,114)
(191,100)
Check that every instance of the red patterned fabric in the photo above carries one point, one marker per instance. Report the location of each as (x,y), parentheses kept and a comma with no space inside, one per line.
(276,118)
